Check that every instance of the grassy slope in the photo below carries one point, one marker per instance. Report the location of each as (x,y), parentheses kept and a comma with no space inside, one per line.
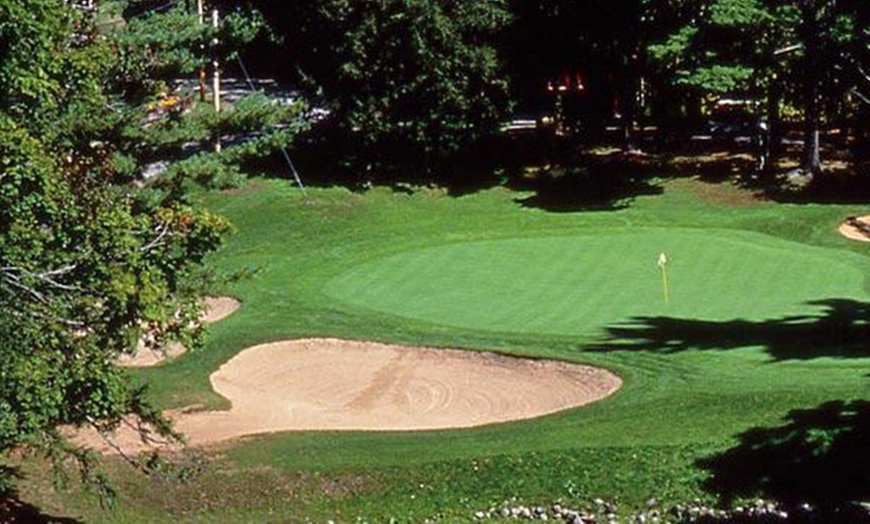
(312,254)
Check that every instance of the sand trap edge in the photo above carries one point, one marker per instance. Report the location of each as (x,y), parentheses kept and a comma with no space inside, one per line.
(849,230)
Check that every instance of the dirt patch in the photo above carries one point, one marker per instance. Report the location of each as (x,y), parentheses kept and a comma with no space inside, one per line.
(856,228)
(723,193)
(218,308)
(213,309)
(330,384)
(250,186)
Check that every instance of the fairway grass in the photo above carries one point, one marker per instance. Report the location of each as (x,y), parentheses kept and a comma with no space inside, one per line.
(742,341)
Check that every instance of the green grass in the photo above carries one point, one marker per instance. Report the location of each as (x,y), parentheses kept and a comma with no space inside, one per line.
(483,272)
(573,285)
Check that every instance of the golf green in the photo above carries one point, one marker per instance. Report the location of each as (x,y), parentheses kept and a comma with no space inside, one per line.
(581,284)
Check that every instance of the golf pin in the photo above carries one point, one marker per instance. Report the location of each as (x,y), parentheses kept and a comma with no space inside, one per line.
(663,263)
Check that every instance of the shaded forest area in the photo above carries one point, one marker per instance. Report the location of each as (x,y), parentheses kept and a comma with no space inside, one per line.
(776,91)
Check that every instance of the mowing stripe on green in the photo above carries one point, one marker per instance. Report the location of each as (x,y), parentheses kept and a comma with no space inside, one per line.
(580,284)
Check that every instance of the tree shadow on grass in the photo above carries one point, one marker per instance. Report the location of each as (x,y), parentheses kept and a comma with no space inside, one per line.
(819,457)
(15,510)
(840,329)
(602,184)
(561,174)
(585,189)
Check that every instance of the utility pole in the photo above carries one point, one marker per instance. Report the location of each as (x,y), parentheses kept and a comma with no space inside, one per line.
(216,78)
(200,10)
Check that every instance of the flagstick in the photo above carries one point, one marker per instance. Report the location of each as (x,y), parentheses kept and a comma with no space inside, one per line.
(663,263)
(665,285)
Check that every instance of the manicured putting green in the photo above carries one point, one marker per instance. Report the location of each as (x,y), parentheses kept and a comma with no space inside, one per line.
(580,284)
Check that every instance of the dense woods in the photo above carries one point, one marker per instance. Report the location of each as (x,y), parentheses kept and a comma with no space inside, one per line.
(756,68)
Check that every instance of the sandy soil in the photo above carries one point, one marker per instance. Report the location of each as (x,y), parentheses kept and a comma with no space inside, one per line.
(213,309)
(850,229)
(329,384)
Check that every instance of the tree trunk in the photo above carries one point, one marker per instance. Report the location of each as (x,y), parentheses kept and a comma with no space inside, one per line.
(632,72)
(861,146)
(811,164)
(773,133)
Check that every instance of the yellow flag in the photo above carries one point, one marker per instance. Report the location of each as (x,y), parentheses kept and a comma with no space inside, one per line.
(662,263)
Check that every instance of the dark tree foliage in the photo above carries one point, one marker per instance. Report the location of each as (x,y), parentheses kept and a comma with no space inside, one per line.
(604,44)
(805,54)
(818,458)
(403,79)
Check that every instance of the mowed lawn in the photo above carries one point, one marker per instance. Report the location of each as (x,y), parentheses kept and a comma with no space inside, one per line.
(578,284)
(765,315)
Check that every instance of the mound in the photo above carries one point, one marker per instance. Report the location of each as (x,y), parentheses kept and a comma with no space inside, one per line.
(328,384)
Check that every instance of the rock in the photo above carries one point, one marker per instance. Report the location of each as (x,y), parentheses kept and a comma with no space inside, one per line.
(798,177)
(480,515)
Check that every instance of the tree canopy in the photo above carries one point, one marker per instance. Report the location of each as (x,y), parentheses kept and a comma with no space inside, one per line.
(95,256)
(416,77)
(803,53)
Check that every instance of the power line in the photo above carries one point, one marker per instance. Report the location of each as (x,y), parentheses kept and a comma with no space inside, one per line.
(158,9)
(283,149)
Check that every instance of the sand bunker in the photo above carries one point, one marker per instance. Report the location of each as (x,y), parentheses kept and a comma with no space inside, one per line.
(328,384)
(213,309)
(856,228)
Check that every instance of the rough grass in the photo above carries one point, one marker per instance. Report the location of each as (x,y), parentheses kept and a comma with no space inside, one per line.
(483,271)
